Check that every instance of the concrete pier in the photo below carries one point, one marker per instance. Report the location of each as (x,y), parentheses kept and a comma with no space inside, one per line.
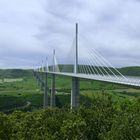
(75,93)
(46,91)
(42,80)
(53,91)
(75,81)
(38,79)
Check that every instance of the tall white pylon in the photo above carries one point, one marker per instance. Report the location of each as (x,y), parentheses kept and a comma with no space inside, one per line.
(76,51)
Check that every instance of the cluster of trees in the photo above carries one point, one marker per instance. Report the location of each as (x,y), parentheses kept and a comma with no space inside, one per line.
(104,120)
(9,102)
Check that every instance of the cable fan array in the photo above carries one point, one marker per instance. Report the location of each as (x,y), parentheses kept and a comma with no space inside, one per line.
(91,65)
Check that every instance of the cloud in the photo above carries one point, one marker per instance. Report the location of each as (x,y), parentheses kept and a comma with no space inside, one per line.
(30,30)
(19,22)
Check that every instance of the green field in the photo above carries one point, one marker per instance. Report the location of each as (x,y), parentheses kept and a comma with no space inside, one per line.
(16,93)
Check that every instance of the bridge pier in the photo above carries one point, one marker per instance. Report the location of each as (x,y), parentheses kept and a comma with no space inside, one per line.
(53,91)
(75,80)
(46,91)
(38,79)
(75,93)
(41,80)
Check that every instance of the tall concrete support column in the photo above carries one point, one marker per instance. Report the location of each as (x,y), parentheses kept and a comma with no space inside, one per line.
(75,93)
(53,91)
(46,91)
(41,80)
(38,79)
(34,74)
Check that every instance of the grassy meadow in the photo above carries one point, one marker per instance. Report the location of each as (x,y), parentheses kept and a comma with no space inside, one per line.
(23,92)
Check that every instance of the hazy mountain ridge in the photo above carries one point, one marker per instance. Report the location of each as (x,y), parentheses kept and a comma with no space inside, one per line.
(15,73)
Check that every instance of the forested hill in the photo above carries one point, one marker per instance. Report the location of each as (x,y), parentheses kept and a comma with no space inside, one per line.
(16,73)
(130,71)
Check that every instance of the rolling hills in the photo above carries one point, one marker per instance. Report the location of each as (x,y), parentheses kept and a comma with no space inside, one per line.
(19,73)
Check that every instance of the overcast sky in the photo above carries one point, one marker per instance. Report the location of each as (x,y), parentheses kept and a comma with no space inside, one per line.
(31,29)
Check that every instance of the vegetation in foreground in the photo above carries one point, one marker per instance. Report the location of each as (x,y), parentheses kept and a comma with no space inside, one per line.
(107,112)
(103,120)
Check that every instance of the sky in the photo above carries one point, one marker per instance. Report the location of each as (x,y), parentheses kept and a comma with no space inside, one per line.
(31,29)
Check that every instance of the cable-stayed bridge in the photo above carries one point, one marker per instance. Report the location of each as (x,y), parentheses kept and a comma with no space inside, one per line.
(81,63)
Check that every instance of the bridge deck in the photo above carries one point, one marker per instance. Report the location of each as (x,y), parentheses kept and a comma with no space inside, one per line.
(128,80)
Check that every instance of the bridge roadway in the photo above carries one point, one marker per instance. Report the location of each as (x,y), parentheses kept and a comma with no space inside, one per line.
(128,80)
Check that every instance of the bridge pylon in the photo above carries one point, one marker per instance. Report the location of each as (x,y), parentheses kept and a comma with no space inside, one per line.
(76,52)
(53,83)
(75,80)
(45,104)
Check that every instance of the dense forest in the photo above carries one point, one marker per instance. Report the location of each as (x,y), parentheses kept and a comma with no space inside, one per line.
(105,119)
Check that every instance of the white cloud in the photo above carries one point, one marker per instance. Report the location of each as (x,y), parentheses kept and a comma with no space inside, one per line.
(31,29)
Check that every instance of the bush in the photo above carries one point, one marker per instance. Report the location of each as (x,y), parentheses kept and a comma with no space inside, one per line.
(5,127)
(104,120)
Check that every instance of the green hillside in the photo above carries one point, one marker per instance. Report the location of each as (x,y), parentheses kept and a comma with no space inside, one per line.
(130,71)
(15,73)
(19,73)
(22,85)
